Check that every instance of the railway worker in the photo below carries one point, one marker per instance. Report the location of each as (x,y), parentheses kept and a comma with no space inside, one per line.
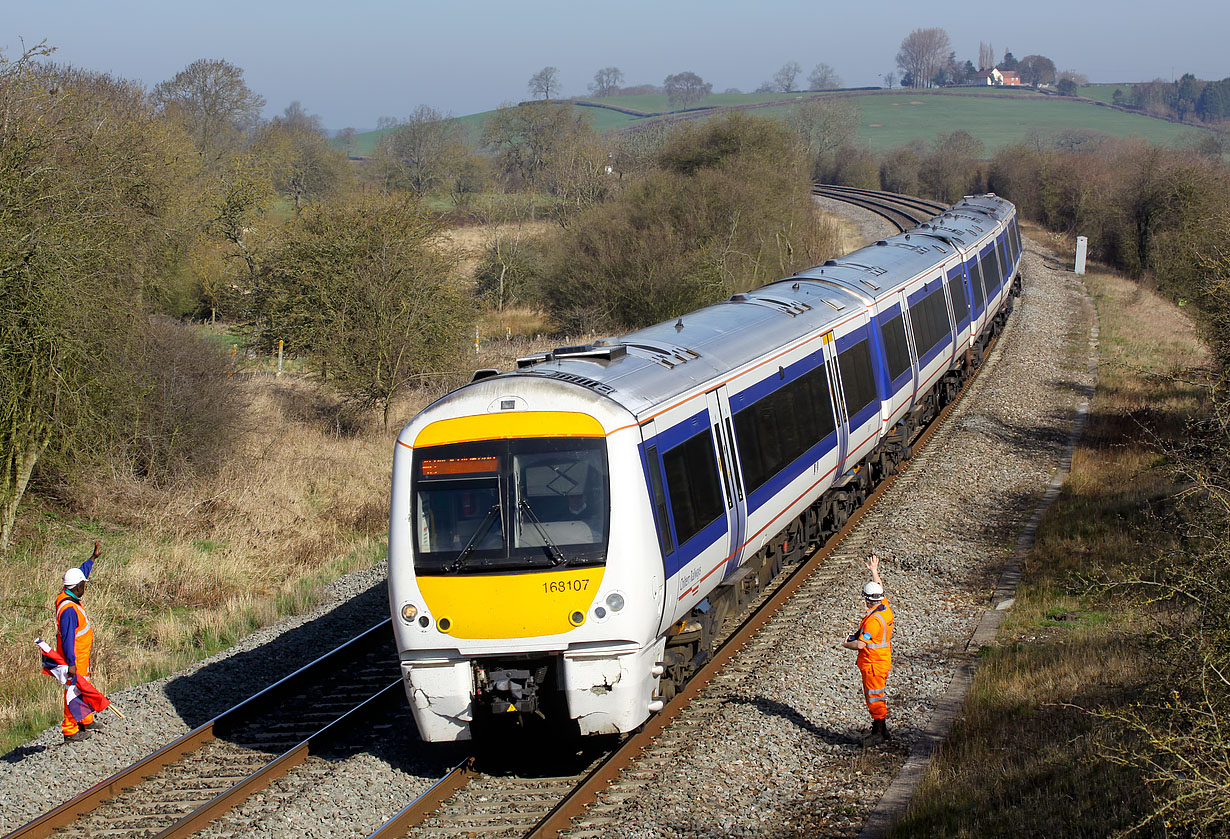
(873,640)
(75,640)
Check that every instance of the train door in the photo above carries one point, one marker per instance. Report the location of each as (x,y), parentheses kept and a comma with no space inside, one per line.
(839,401)
(728,467)
(689,490)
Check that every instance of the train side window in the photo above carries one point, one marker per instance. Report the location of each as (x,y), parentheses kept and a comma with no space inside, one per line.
(930,319)
(659,500)
(960,306)
(857,377)
(692,484)
(999,265)
(987,267)
(779,427)
(1016,237)
(895,348)
(975,284)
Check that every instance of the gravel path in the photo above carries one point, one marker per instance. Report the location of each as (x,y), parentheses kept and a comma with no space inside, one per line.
(775,755)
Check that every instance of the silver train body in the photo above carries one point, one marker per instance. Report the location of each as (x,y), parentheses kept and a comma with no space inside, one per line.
(565,538)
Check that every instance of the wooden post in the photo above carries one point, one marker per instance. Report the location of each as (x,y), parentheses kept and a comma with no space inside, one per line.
(234,353)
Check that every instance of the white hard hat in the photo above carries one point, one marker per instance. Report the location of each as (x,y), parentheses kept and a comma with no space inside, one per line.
(72,577)
(873,591)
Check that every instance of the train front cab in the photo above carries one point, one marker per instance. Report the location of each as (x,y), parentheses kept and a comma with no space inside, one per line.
(514,575)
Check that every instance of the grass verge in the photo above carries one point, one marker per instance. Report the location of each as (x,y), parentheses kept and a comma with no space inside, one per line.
(1030,757)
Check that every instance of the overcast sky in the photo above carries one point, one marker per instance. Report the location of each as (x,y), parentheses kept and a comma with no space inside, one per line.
(352,62)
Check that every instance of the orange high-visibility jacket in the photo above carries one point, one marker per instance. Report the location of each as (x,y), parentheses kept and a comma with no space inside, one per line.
(876,631)
(74,634)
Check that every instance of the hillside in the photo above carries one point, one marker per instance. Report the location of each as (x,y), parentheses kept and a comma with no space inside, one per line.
(890,118)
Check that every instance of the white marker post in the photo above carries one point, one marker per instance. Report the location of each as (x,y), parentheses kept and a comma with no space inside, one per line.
(279,358)
(1082,246)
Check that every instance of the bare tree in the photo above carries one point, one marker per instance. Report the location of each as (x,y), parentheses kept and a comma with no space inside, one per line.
(889,79)
(606,82)
(924,52)
(212,101)
(986,55)
(686,88)
(785,77)
(424,152)
(544,81)
(824,125)
(823,77)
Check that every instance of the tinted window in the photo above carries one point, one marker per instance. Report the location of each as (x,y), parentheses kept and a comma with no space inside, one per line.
(960,308)
(659,500)
(975,285)
(989,268)
(857,377)
(930,319)
(895,348)
(692,483)
(781,426)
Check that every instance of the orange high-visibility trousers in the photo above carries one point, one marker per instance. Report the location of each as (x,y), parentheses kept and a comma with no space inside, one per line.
(875,676)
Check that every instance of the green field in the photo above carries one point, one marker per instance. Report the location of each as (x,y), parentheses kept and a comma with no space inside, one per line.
(1103,92)
(894,118)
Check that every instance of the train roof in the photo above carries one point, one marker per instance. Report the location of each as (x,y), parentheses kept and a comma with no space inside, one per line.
(642,369)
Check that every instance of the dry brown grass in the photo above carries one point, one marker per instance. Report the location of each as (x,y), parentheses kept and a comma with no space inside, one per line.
(1027,758)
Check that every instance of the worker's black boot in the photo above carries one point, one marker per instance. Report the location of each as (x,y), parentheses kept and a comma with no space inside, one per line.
(882,727)
(878,734)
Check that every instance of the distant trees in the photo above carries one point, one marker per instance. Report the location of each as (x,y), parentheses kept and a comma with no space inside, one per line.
(426,153)
(549,148)
(1036,70)
(543,82)
(823,126)
(1009,61)
(210,99)
(303,164)
(922,55)
(823,77)
(606,82)
(686,89)
(785,78)
(362,286)
(986,55)
(727,208)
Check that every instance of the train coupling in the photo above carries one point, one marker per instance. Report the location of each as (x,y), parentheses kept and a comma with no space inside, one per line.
(508,691)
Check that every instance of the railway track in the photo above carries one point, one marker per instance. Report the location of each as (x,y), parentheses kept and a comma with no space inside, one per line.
(473,801)
(183,786)
(189,783)
(902,211)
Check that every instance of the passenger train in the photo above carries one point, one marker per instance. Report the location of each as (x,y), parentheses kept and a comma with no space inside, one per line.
(566,538)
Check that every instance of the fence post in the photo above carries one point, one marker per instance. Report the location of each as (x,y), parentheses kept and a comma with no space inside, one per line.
(476,340)
(1082,246)
(279,357)
(234,353)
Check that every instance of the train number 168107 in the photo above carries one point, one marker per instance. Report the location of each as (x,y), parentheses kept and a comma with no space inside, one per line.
(565,586)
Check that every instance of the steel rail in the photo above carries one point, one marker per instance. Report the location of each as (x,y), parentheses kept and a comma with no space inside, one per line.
(907,200)
(886,211)
(193,741)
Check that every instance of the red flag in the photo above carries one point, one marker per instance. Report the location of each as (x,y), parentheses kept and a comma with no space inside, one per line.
(83,698)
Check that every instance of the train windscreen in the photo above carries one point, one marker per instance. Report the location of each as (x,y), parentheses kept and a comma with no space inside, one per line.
(536,503)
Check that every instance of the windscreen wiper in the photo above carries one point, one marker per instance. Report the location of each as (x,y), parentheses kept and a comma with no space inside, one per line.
(557,556)
(479,534)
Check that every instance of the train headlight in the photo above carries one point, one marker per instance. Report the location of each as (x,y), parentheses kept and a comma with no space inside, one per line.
(615,600)
(409,612)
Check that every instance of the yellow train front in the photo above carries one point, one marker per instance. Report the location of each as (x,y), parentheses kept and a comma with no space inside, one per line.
(503,520)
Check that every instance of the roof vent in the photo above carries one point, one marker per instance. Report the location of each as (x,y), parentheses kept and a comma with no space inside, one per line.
(828,262)
(591,352)
(881,244)
(485,373)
